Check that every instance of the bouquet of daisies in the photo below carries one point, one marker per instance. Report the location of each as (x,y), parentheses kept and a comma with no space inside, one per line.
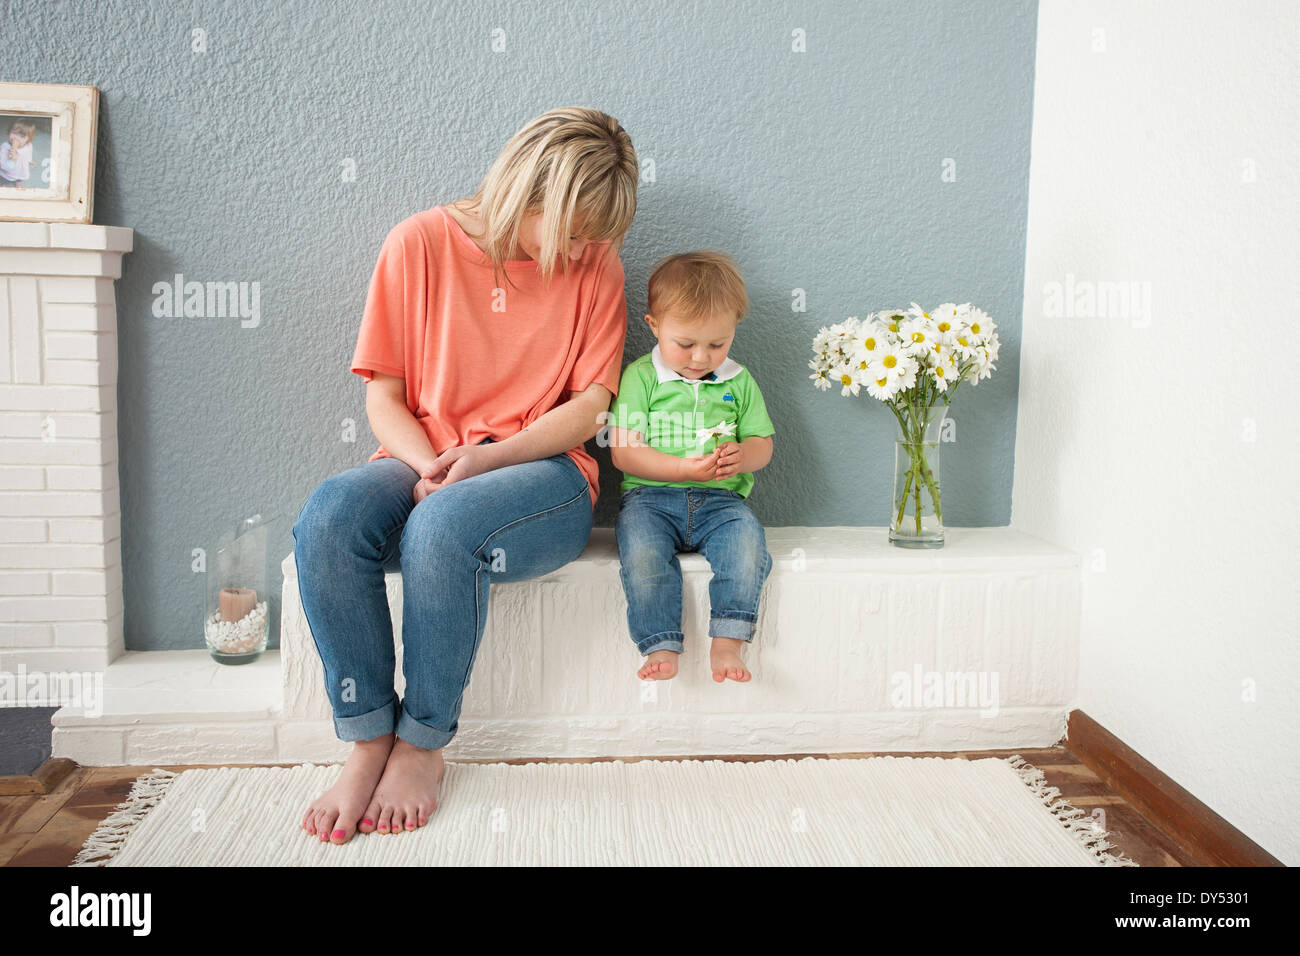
(911,360)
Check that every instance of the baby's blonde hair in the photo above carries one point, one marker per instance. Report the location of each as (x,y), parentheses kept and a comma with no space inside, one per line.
(26,129)
(694,286)
(563,162)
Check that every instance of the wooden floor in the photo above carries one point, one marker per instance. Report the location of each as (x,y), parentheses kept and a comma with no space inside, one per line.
(49,829)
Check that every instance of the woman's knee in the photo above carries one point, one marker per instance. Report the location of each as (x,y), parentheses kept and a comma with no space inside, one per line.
(433,528)
(319,512)
(356,499)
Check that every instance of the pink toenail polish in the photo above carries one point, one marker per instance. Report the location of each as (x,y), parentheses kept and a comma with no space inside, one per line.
(368,821)
(339,833)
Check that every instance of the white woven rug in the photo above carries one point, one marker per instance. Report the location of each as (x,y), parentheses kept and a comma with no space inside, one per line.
(878,811)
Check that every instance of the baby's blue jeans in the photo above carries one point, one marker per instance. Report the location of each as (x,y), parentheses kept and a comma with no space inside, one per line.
(657,521)
(510,524)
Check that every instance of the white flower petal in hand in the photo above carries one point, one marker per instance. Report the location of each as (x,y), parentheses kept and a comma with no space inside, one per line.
(719,430)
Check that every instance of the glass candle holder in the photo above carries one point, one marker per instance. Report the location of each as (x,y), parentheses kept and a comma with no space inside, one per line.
(235,624)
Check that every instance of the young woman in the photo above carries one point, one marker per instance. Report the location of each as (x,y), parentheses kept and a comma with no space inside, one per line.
(487,368)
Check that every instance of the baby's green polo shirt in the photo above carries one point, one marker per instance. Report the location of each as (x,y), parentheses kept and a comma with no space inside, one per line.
(668,409)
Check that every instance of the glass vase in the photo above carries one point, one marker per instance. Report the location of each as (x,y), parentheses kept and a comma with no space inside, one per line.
(916,514)
(235,624)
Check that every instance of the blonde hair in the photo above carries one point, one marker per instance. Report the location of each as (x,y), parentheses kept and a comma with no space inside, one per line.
(25,129)
(566,161)
(694,286)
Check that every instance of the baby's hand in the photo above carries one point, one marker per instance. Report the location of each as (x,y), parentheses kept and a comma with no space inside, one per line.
(699,467)
(730,461)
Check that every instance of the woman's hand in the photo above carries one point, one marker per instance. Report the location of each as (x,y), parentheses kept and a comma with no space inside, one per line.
(423,488)
(463,461)
(731,460)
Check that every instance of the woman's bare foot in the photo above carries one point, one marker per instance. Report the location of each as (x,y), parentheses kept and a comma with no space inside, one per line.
(407,793)
(334,814)
(724,658)
(660,665)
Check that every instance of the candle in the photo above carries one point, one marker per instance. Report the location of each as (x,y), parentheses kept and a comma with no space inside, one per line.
(236,602)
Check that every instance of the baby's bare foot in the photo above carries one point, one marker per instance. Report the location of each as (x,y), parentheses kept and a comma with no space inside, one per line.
(408,791)
(660,665)
(333,815)
(724,658)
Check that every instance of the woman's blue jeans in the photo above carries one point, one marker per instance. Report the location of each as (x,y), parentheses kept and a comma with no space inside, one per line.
(510,524)
(657,521)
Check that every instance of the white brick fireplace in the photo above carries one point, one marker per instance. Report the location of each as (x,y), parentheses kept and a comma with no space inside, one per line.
(60,517)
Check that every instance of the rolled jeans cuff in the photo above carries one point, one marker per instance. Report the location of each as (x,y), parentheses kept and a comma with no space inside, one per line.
(739,628)
(378,722)
(422,735)
(664,641)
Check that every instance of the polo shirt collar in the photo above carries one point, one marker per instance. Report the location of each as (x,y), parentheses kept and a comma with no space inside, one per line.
(728,369)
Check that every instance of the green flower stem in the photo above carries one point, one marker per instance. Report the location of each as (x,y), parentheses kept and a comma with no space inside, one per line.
(911,472)
(912,489)
(902,501)
(912,419)
(920,468)
(918,506)
(933,485)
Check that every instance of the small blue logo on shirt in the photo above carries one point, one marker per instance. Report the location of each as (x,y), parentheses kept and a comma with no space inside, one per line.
(728,398)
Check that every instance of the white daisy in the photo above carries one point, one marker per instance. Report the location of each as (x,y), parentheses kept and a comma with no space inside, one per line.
(944,372)
(881,384)
(980,324)
(820,376)
(890,319)
(843,375)
(945,318)
(918,336)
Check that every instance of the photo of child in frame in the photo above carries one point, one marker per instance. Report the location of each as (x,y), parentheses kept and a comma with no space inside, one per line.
(25,151)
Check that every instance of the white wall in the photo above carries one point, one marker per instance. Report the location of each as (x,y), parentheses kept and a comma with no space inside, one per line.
(1161,443)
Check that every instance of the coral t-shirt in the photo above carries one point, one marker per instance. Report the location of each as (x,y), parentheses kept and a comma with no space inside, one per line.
(482,361)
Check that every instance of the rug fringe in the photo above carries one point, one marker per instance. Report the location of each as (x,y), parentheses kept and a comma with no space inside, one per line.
(109,836)
(1089,836)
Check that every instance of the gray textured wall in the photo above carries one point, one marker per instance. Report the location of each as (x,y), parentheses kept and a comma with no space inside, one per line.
(818,170)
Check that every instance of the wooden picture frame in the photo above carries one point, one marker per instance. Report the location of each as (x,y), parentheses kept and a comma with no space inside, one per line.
(47,152)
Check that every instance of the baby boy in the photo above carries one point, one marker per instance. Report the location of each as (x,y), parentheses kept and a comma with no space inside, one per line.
(688,429)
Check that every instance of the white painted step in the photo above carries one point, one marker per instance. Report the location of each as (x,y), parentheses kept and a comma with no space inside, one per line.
(175,707)
(844,615)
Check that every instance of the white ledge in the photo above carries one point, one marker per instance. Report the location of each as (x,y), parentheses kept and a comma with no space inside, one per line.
(66,235)
(843,615)
(850,550)
(159,687)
